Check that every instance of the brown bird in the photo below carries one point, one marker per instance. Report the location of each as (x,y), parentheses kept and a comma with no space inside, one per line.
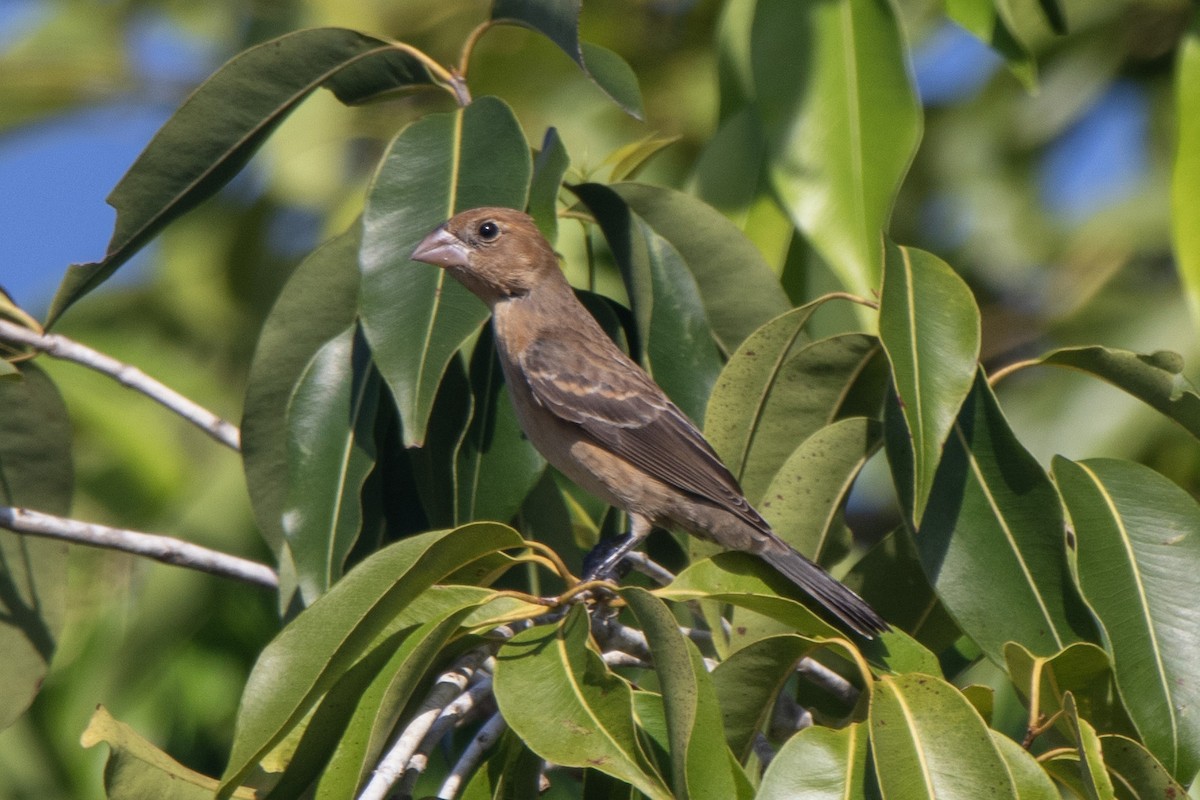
(598,417)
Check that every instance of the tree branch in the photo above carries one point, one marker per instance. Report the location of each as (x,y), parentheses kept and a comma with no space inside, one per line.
(58,346)
(159,548)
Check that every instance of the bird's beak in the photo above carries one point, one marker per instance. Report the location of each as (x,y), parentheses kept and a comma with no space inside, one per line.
(441,248)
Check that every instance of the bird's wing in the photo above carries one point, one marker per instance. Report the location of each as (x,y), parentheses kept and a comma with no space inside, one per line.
(587,381)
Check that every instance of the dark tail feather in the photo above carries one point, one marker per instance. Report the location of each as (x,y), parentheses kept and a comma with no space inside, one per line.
(839,601)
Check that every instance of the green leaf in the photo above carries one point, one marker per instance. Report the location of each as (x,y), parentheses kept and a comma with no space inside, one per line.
(496,466)
(700,763)
(326,639)
(416,317)
(819,764)
(1156,378)
(560,698)
(1185,172)
(776,391)
(749,680)
(316,304)
(677,344)
(928,741)
(1137,554)
(1135,773)
(985,19)
(738,288)
(549,166)
(842,123)
(1096,783)
(36,471)
(805,495)
(992,540)
(138,769)
(558,21)
(1083,669)
(331,450)
(1029,779)
(929,326)
(212,135)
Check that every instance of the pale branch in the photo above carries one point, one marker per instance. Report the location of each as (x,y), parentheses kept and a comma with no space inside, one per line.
(461,710)
(472,754)
(59,346)
(160,548)
(828,680)
(649,567)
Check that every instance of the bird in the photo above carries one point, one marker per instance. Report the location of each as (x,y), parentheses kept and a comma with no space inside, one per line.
(598,417)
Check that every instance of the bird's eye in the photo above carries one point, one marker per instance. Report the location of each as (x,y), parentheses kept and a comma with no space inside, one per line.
(488,230)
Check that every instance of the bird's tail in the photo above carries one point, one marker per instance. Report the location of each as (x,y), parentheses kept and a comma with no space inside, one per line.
(839,601)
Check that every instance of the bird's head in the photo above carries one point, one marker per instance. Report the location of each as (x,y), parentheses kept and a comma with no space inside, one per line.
(495,252)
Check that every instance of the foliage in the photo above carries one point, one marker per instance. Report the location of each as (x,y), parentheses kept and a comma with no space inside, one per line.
(1045,617)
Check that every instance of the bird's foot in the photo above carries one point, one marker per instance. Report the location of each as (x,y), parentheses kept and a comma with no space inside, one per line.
(605,562)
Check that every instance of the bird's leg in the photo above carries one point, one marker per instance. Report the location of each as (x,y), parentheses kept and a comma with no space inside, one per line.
(601,563)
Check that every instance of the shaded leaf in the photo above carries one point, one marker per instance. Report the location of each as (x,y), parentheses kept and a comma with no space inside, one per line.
(819,764)
(549,166)
(1093,774)
(316,304)
(929,327)
(1137,540)
(1156,378)
(992,541)
(331,450)
(1135,773)
(212,135)
(36,471)
(561,699)
(928,741)
(558,21)
(841,121)
(1029,779)
(416,317)
(326,639)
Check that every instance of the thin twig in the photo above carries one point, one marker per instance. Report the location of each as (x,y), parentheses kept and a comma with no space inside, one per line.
(828,680)
(160,548)
(649,567)
(461,710)
(487,736)
(58,346)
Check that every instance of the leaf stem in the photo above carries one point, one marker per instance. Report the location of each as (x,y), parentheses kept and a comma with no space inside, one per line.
(464,59)
(1009,369)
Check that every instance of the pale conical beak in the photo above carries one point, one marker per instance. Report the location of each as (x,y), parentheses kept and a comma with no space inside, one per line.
(441,248)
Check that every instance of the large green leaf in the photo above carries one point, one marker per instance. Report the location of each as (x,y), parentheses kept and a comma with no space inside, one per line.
(819,764)
(776,391)
(560,698)
(1156,378)
(929,742)
(700,759)
(992,540)
(1185,175)
(36,471)
(212,136)
(1137,553)
(558,20)
(677,347)
(317,303)
(738,288)
(331,450)
(841,120)
(1136,774)
(1029,779)
(416,316)
(326,639)
(929,326)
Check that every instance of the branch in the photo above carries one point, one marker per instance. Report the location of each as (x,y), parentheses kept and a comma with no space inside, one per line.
(159,548)
(487,736)
(58,346)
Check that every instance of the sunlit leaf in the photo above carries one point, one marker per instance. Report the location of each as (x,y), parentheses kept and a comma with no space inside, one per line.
(1137,540)
(819,764)
(1029,779)
(928,741)
(1093,774)
(561,699)
(985,20)
(992,540)
(415,315)
(331,450)
(1185,175)
(559,22)
(212,136)
(549,166)
(929,326)
(36,471)
(841,120)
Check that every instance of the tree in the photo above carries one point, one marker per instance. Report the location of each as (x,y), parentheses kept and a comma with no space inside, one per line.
(425,560)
